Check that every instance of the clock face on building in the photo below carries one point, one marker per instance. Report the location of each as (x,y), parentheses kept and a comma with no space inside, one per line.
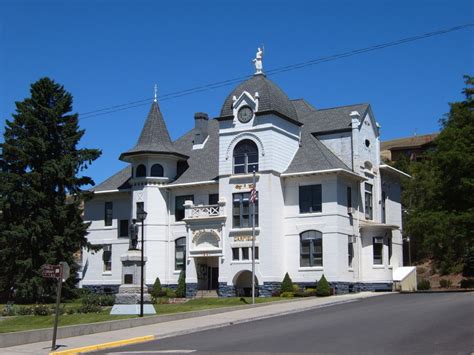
(245,114)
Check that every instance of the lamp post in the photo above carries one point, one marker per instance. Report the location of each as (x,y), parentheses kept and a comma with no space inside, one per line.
(141,216)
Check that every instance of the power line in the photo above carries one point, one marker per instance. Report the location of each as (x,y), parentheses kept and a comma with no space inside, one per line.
(218,84)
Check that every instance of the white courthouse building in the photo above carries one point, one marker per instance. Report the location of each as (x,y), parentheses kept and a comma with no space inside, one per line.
(326,203)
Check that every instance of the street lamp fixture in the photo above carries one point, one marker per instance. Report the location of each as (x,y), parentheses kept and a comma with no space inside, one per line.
(141,216)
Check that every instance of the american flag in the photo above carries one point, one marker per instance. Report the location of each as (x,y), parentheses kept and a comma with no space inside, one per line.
(253,195)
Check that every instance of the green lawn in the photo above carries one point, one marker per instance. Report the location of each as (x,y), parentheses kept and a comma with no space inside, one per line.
(19,323)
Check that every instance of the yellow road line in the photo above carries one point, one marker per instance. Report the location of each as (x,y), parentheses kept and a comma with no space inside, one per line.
(103,346)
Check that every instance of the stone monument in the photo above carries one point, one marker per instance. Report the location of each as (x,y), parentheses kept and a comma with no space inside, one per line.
(127,300)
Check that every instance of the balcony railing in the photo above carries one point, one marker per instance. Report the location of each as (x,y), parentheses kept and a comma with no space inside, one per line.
(203,211)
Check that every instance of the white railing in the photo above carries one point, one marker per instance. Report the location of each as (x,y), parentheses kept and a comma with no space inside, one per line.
(205,211)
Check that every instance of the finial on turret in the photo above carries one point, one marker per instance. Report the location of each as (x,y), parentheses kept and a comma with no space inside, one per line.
(156,93)
(258,61)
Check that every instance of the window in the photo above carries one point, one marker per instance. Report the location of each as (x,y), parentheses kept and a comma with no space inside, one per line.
(235,254)
(378,250)
(179,208)
(123,228)
(140,207)
(311,248)
(310,199)
(109,206)
(350,252)
(349,197)
(156,170)
(384,198)
(368,201)
(245,157)
(107,257)
(180,254)
(245,253)
(241,211)
(141,171)
(390,249)
(213,199)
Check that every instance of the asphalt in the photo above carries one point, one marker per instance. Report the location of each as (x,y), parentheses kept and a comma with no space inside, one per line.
(190,325)
(440,323)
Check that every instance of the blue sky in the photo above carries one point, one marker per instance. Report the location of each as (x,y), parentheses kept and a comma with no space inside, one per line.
(108,53)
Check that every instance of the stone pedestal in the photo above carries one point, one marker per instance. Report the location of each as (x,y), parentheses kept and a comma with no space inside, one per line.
(127,300)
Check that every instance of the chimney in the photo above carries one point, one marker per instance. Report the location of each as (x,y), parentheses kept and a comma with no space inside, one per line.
(200,124)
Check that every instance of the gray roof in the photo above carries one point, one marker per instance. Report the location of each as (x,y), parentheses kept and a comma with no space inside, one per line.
(116,181)
(314,156)
(154,137)
(271,98)
(327,120)
(203,163)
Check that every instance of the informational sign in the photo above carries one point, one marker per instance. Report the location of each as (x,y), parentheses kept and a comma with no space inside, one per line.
(51,271)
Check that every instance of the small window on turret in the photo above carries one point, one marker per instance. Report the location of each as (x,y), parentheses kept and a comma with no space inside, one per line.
(141,171)
(156,170)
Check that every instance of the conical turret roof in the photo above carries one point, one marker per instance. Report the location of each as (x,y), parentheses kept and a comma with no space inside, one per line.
(154,138)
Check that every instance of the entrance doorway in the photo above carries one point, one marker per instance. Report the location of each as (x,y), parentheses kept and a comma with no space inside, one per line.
(243,284)
(207,269)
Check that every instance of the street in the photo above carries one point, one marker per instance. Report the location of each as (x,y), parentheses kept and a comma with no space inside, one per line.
(398,323)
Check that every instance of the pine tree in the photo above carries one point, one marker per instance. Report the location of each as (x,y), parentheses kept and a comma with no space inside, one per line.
(40,190)
(181,289)
(323,289)
(287,284)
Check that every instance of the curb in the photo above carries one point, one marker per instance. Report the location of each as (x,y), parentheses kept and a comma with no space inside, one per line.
(104,346)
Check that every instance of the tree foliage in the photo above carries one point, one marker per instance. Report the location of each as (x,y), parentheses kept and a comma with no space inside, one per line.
(323,289)
(440,197)
(181,289)
(287,284)
(40,190)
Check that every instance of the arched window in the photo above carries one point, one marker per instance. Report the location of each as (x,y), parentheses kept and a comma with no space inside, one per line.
(180,253)
(141,171)
(156,170)
(311,248)
(245,157)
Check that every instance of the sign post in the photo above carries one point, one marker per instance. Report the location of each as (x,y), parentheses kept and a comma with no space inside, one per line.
(61,273)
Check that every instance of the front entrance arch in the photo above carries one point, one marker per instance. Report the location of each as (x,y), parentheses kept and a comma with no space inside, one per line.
(243,284)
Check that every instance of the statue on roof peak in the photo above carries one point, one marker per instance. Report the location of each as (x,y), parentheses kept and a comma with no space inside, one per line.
(258,61)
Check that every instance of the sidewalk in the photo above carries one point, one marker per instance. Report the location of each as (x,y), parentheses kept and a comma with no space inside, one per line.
(190,325)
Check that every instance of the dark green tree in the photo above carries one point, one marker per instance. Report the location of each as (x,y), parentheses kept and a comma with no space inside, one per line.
(287,284)
(156,289)
(440,216)
(181,289)
(40,190)
(322,288)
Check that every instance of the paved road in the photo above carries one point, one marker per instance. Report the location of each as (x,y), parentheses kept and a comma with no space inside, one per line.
(441,323)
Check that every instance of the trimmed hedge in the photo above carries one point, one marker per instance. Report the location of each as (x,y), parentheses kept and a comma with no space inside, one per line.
(323,289)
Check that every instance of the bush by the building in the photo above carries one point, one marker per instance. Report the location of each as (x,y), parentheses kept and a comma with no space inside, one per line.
(287,284)
(323,289)
(181,289)
(156,289)
(424,285)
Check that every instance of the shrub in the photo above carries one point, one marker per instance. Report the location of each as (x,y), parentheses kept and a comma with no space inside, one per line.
(80,292)
(310,292)
(276,293)
(299,293)
(287,294)
(89,308)
(287,284)
(106,300)
(41,310)
(24,311)
(8,310)
(156,289)
(467,283)
(323,288)
(424,285)
(444,283)
(98,300)
(296,288)
(169,293)
(71,310)
(181,289)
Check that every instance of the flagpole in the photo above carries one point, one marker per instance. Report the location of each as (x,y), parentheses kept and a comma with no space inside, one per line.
(253,243)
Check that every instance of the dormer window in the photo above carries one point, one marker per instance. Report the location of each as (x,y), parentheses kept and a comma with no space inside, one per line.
(141,171)
(156,170)
(245,157)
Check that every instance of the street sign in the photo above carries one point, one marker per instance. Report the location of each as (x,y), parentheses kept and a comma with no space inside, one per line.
(51,271)
(65,270)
